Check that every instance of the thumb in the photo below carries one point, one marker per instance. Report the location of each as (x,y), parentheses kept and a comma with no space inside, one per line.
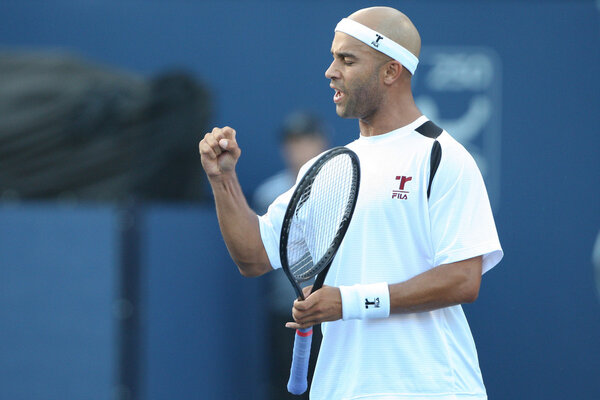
(306,290)
(223,143)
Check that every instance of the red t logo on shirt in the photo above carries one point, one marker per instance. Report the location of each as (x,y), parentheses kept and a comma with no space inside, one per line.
(401,193)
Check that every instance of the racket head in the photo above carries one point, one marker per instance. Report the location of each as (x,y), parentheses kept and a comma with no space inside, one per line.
(318,215)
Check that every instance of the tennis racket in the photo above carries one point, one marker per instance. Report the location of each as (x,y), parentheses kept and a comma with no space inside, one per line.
(314,225)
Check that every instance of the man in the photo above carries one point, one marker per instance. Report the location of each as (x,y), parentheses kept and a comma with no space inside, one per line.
(418,246)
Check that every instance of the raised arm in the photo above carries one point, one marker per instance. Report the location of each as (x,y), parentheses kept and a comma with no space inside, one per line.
(219,153)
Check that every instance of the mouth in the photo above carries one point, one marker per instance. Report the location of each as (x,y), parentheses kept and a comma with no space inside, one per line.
(338,95)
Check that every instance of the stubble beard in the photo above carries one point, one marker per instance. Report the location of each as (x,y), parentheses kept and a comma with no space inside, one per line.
(362,101)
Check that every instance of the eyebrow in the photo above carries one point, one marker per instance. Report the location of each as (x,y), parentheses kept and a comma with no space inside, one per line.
(343,55)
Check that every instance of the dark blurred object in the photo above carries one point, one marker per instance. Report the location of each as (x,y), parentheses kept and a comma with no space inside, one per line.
(71,129)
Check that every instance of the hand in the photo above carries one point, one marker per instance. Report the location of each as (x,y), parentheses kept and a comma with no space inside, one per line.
(219,151)
(323,305)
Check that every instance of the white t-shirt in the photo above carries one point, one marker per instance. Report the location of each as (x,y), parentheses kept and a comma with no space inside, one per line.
(395,234)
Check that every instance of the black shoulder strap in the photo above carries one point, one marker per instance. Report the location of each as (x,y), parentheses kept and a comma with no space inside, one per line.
(432,131)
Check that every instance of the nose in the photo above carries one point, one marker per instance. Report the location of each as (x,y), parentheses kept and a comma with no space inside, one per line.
(332,72)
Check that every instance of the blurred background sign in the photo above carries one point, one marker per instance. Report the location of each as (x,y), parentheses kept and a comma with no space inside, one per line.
(460,89)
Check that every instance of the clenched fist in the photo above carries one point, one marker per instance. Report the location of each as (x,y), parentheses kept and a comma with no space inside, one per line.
(219,152)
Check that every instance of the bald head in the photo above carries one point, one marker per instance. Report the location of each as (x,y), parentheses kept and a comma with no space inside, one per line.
(391,23)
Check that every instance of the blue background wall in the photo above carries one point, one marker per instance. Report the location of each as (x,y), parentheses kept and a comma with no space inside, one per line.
(57,286)
(537,321)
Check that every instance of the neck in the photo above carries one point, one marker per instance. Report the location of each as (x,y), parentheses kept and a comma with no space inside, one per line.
(397,109)
(387,119)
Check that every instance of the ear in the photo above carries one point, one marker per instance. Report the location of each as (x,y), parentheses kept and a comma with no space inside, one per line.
(392,71)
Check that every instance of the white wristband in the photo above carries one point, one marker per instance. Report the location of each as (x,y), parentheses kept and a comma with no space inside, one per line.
(365,301)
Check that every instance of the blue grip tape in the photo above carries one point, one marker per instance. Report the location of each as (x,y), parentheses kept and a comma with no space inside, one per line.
(299,370)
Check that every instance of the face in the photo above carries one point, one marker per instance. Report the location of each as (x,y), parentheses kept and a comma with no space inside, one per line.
(298,150)
(354,76)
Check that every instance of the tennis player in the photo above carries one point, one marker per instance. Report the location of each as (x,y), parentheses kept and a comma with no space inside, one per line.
(421,237)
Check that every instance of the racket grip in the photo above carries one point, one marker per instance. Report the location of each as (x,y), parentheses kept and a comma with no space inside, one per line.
(299,370)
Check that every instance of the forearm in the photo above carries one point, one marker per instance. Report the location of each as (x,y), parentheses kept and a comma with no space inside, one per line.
(440,287)
(443,286)
(239,226)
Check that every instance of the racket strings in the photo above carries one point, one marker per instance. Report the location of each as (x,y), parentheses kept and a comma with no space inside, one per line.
(318,216)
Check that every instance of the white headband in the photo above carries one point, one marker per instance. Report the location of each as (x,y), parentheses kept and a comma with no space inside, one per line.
(379,42)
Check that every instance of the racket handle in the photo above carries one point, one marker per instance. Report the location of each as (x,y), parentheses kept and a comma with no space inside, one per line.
(299,370)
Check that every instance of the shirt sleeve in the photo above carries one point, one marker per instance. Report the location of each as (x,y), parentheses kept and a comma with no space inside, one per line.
(270,226)
(462,223)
